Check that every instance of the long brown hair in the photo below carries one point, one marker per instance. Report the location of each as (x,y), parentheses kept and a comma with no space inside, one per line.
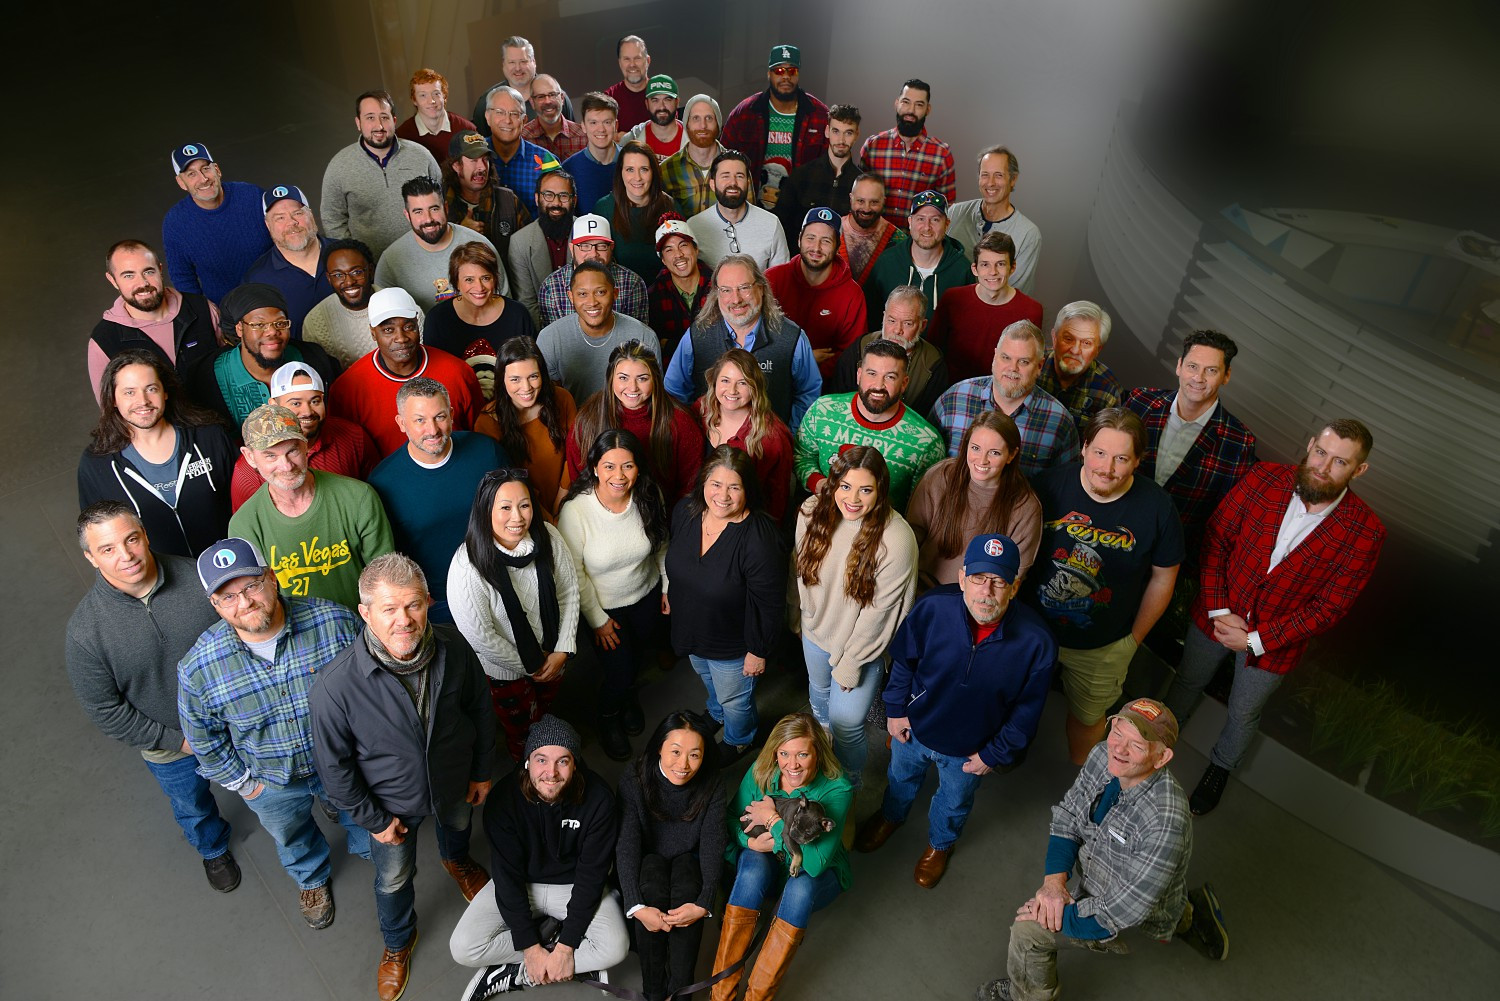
(602,411)
(112,434)
(948,519)
(794,726)
(657,199)
(864,555)
(519,349)
(763,419)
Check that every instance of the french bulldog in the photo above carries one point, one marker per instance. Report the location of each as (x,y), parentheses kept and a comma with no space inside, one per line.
(803,821)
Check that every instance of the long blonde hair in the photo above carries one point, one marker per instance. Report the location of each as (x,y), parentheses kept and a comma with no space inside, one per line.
(762,418)
(795,726)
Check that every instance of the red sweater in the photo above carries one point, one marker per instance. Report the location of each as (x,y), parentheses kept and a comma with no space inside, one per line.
(633,110)
(831,314)
(366,394)
(341,447)
(967,330)
(687,450)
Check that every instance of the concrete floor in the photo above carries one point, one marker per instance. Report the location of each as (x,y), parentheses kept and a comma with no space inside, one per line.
(102,897)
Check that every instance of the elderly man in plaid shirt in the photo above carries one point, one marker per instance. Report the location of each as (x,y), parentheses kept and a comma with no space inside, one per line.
(1124,827)
(1072,371)
(908,159)
(242,699)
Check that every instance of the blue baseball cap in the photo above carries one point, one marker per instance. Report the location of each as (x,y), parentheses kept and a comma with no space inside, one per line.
(995,554)
(280,193)
(187,153)
(926,198)
(826,216)
(226,560)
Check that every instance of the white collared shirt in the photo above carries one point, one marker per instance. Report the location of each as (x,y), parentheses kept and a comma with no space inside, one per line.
(423,130)
(1176,439)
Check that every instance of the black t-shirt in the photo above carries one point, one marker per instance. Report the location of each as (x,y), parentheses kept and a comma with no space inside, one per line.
(1095,559)
(444,329)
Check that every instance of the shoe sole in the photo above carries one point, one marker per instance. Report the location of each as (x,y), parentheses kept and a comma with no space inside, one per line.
(1206,909)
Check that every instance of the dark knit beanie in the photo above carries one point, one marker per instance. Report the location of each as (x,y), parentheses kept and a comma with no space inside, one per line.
(549,731)
(247,298)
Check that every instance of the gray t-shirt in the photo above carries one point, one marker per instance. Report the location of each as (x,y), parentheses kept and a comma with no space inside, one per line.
(424,273)
(161,475)
(578,362)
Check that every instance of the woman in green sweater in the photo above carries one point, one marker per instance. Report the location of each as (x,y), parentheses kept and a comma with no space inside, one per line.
(796,761)
(634,209)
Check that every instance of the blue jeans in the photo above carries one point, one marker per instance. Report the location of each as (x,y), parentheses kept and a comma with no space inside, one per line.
(1201,657)
(760,873)
(286,812)
(193,805)
(842,713)
(395,865)
(950,802)
(731,697)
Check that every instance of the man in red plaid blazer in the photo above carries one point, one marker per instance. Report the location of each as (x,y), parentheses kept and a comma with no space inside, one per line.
(1283,559)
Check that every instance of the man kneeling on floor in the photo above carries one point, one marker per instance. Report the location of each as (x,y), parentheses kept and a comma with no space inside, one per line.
(1124,825)
(546,914)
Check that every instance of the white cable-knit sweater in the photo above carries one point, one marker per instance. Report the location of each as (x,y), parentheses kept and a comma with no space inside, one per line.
(611,554)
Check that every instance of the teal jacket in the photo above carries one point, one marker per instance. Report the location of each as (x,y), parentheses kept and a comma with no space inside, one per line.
(824,853)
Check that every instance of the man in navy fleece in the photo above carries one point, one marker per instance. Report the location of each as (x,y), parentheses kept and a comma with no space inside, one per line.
(212,236)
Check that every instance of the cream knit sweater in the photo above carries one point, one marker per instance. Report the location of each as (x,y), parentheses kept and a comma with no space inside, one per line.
(611,555)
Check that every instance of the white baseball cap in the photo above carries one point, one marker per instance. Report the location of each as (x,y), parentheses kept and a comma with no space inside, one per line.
(389,302)
(281,379)
(591,227)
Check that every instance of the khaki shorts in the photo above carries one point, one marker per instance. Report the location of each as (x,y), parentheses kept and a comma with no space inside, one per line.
(1093,679)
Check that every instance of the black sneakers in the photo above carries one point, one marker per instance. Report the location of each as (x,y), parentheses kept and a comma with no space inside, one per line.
(223,872)
(1210,790)
(612,738)
(1208,934)
(493,980)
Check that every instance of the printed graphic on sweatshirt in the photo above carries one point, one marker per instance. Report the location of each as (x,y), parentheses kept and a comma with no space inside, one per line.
(296,565)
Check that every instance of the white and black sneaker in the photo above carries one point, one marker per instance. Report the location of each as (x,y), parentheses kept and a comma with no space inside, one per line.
(493,980)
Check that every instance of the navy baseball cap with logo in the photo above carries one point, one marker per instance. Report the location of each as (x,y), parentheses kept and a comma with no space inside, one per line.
(926,198)
(826,216)
(226,560)
(187,153)
(280,193)
(995,554)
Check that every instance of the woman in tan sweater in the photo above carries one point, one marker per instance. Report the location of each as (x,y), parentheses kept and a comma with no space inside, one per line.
(856,575)
(981,491)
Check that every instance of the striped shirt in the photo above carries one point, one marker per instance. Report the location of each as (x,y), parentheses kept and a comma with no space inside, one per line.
(909,169)
(1048,436)
(247,719)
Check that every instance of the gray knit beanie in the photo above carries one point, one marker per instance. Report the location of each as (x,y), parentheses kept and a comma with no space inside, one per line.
(549,731)
(688,107)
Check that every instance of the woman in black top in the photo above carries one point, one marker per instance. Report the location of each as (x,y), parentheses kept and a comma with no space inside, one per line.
(671,848)
(477,319)
(731,601)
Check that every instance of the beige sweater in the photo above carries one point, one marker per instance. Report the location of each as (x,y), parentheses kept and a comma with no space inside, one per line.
(854,636)
(1023,526)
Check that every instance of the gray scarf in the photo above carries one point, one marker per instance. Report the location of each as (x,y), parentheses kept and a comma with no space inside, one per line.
(411,673)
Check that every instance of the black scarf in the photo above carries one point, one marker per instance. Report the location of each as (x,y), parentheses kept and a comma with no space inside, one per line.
(527,646)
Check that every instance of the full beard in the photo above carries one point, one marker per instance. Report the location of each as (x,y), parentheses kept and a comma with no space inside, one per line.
(1310,492)
(555,227)
(909,128)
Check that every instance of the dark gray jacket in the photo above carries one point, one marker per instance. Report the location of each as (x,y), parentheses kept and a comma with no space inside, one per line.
(122,653)
(368,743)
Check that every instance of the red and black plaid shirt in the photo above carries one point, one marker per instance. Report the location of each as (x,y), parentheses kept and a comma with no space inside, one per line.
(670,314)
(907,172)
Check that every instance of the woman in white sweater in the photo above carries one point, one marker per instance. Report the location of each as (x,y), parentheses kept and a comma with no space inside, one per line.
(615,522)
(514,596)
(856,575)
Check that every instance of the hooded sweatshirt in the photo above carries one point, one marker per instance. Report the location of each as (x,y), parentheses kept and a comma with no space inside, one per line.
(831,314)
(186,336)
(894,268)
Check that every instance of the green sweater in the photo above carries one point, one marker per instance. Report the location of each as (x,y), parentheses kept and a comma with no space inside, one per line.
(908,443)
(824,853)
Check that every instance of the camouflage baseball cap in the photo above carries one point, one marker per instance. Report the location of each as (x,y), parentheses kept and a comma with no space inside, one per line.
(270,425)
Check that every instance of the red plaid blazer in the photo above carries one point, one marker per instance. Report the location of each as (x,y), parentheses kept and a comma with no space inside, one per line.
(1308,591)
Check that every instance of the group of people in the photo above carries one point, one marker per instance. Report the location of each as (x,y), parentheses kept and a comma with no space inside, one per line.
(351,492)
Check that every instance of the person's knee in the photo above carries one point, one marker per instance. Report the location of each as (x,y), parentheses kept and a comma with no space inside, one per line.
(1031,936)
(467,947)
(394,878)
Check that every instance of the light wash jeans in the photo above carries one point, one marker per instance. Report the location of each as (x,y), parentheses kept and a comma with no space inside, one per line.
(842,713)
(731,697)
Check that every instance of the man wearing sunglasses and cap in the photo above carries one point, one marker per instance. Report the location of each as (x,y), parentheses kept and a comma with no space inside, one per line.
(297,261)
(780,128)
(1124,828)
(214,233)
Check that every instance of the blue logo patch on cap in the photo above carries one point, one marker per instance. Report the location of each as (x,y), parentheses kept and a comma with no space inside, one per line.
(280,191)
(190,150)
(224,559)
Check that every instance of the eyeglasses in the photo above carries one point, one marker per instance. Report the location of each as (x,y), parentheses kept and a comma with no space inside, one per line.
(549,95)
(784,71)
(988,582)
(742,290)
(554,197)
(260,328)
(338,276)
(231,599)
(507,115)
(734,238)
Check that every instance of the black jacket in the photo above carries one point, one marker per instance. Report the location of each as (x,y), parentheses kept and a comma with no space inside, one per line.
(369,746)
(813,185)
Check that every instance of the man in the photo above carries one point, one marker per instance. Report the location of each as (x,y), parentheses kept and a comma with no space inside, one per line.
(253,319)
(1048,436)
(431,123)
(366,392)
(780,128)
(334,445)
(631,93)
(904,319)
(679,292)
(242,700)
(866,234)
(1284,556)
(551,129)
(418,262)
(518,164)
(969,318)
(1124,791)
(970,672)
(592,240)
(685,174)
(1195,448)
(874,415)
(992,212)
(742,313)
(826,180)
(217,231)
(732,225)
(340,324)
(541,247)
(402,731)
(428,487)
(577,345)
(475,198)
(295,262)
(546,916)
(908,159)
(1105,569)
(817,292)
(362,183)
(169,461)
(143,612)
(318,529)
(518,60)
(931,260)
(593,167)
(1072,371)
(182,328)
(662,131)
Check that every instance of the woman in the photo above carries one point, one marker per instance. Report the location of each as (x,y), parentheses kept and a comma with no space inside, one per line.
(728,612)
(671,849)
(432,125)
(635,399)
(531,417)
(736,411)
(478,320)
(615,524)
(856,576)
(634,209)
(981,491)
(513,594)
(796,761)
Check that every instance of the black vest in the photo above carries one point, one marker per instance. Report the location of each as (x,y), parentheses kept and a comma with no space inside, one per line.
(773,352)
(193,336)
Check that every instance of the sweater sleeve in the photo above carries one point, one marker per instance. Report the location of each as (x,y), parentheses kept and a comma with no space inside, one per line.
(711,843)
(103,702)
(470,602)
(895,587)
(687,451)
(565,580)
(574,528)
(764,570)
(806,459)
(597,849)
(1025,530)
(628,848)
(333,207)
(180,266)
(923,504)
